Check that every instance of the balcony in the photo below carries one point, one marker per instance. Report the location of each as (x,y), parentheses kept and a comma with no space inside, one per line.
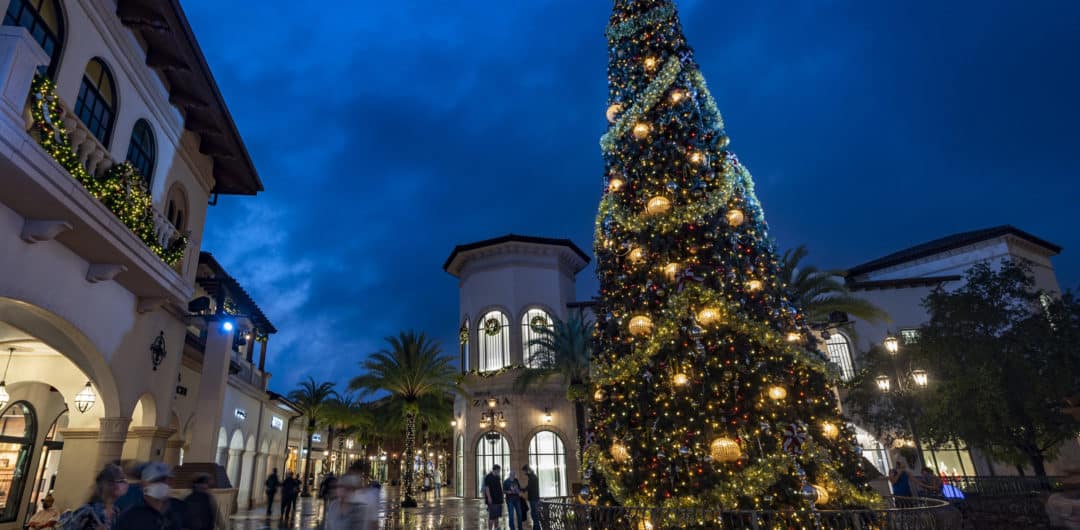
(66,186)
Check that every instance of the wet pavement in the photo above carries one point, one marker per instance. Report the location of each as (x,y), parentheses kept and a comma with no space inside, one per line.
(446,513)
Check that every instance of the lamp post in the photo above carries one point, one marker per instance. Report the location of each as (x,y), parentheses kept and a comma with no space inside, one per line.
(906,384)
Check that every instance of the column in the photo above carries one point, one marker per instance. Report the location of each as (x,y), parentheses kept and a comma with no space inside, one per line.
(233,469)
(77,467)
(172,452)
(151,443)
(215,377)
(258,478)
(223,457)
(20,56)
(111,437)
(262,354)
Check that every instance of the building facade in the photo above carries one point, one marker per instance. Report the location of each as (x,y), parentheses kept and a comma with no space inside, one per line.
(510,288)
(99,257)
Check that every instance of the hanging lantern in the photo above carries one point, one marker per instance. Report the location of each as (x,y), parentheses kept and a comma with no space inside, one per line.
(920,377)
(620,453)
(883,383)
(658,205)
(671,271)
(754,285)
(637,255)
(829,431)
(613,112)
(641,325)
(641,130)
(85,399)
(680,379)
(708,316)
(724,450)
(4,396)
(735,217)
(615,184)
(892,345)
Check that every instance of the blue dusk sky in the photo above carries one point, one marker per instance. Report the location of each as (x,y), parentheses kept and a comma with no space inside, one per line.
(387,132)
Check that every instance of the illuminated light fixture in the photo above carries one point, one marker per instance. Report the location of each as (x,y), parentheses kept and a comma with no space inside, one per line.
(658,205)
(227,325)
(892,345)
(637,255)
(735,217)
(920,377)
(492,402)
(4,396)
(883,383)
(830,431)
(502,422)
(453,423)
(671,271)
(641,325)
(754,285)
(615,184)
(776,393)
(680,379)
(547,415)
(613,112)
(697,158)
(724,450)
(642,130)
(85,399)
(794,336)
(708,315)
(382,458)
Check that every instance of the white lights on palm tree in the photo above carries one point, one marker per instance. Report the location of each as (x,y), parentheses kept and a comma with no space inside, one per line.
(892,345)
(883,383)
(85,399)
(920,377)
(4,396)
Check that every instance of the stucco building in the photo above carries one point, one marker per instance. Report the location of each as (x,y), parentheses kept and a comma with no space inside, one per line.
(510,287)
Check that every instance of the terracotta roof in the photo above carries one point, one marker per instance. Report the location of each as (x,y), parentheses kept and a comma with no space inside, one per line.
(508,238)
(947,243)
(172,50)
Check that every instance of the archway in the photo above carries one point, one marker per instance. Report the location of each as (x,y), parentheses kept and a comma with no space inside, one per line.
(491,449)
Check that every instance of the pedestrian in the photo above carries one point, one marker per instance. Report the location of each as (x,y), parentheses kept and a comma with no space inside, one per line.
(272,484)
(512,490)
(202,509)
(930,483)
(134,496)
(901,480)
(329,482)
(437,478)
(100,512)
(290,488)
(493,496)
(158,511)
(532,490)
(47,516)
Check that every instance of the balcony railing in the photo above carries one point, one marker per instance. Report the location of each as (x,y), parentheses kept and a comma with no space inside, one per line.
(117,185)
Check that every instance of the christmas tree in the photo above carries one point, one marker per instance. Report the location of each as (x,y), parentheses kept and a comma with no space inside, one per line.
(707,389)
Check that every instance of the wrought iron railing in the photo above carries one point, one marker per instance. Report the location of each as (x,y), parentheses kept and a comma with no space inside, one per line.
(901,513)
(1002,486)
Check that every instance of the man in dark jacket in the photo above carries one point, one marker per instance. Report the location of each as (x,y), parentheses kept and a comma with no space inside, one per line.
(290,488)
(157,511)
(533,491)
(202,510)
(272,484)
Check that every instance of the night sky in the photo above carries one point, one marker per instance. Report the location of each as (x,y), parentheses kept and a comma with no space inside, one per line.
(387,132)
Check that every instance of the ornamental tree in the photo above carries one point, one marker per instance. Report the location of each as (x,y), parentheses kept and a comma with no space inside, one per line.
(705,392)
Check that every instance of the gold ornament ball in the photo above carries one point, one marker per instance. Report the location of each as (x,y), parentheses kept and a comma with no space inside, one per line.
(637,255)
(671,270)
(658,205)
(708,315)
(754,285)
(613,112)
(822,495)
(829,431)
(776,393)
(615,184)
(722,141)
(735,217)
(641,130)
(677,95)
(724,450)
(620,453)
(793,336)
(680,379)
(599,395)
(697,158)
(651,63)
(640,325)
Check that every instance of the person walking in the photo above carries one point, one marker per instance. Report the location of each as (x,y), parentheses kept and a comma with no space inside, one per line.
(327,485)
(272,484)
(202,509)
(437,477)
(512,490)
(532,490)
(290,488)
(158,511)
(100,512)
(47,516)
(493,496)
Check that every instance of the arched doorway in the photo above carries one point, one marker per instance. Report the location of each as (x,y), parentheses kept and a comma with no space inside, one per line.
(491,449)
(49,462)
(18,429)
(547,457)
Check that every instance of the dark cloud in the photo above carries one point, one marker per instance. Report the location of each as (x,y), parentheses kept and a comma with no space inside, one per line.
(386,134)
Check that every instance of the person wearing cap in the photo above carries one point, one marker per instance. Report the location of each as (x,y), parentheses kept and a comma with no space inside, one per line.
(157,511)
(47,516)
(202,509)
(493,496)
(100,512)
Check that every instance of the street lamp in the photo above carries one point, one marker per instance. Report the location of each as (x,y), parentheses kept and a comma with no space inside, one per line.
(891,343)
(920,377)
(883,383)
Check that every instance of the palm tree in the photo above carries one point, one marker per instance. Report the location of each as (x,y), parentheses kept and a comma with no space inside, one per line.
(411,369)
(819,293)
(343,416)
(564,351)
(312,400)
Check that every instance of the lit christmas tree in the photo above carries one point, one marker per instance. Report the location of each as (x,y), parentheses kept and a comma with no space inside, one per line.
(706,390)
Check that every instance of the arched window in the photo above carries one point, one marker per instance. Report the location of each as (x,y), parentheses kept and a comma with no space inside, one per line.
(459,467)
(491,450)
(547,457)
(494,341)
(839,350)
(463,340)
(176,209)
(45,22)
(96,105)
(49,462)
(18,428)
(533,324)
(142,151)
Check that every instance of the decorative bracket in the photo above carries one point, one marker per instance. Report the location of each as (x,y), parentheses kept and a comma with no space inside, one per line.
(38,230)
(103,272)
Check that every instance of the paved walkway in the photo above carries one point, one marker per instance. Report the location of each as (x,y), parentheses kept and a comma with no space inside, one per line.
(431,514)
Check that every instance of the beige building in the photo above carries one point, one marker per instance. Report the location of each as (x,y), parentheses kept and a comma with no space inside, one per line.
(510,287)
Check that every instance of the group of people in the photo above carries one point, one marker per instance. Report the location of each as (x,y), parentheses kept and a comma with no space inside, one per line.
(522,502)
(290,491)
(117,504)
(906,484)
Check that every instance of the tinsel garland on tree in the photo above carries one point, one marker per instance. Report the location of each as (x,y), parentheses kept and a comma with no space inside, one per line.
(121,189)
(707,390)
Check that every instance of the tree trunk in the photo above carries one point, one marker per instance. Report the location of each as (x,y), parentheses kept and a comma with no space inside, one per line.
(579,424)
(1038,463)
(407,480)
(305,492)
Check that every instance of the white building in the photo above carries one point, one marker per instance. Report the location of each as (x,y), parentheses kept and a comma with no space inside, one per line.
(509,287)
(900,281)
(94,294)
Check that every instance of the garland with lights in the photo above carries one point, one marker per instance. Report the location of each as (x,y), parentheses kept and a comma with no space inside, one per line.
(704,390)
(121,189)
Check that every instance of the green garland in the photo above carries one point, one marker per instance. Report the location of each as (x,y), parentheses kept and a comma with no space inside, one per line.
(121,189)
(652,95)
(492,373)
(630,27)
